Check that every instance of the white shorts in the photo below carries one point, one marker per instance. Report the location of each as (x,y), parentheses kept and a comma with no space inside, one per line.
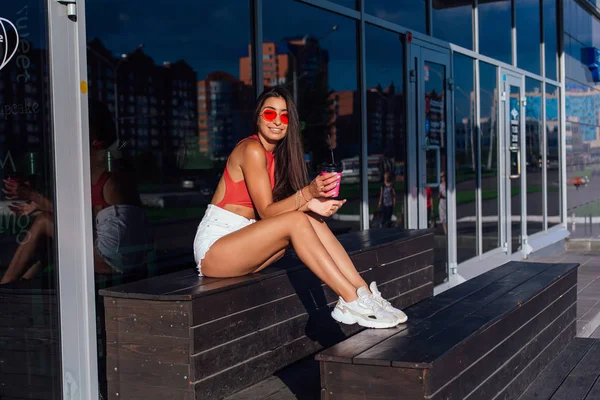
(124,237)
(215,224)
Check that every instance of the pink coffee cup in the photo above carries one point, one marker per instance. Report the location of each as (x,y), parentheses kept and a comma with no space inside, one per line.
(328,169)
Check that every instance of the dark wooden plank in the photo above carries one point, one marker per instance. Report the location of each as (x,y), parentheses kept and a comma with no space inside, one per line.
(557,371)
(147,392)
(254,370)
(581,379)
(452,296)
(147,317)
(394,279)
(518,385)
(30,387)
(467,367)
(347,381)
(517,364)
(561,295)
(148,347)
(393,348)
(594,393)
(154,373)
(426,347)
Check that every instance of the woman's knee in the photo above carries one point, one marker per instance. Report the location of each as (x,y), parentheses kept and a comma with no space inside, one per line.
(297,219)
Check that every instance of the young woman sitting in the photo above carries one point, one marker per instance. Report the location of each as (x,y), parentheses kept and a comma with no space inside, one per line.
(265,179)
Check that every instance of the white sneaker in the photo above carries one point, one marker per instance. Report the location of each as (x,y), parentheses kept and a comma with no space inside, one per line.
(386,305)
(365,311)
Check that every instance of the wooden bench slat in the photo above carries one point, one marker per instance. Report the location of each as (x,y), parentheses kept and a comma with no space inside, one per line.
(434,346)
(557,371)
(459,372)
(512,378)
(345,351)
(396,346)
(581,380)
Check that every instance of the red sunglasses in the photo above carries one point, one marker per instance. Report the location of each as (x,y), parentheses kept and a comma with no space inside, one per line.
(270,115)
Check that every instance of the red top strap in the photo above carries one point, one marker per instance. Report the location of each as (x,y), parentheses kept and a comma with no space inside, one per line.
(98,189)
(237,192)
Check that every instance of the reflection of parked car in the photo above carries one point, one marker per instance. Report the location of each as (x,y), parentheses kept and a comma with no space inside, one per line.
(351,169)
(200,185)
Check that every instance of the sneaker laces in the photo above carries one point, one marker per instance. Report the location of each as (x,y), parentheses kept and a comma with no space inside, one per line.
(370,303)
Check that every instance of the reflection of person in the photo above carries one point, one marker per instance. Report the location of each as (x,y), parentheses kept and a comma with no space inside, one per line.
(121,232)
(265,177)
(442,203)
(387,199)
(429,198)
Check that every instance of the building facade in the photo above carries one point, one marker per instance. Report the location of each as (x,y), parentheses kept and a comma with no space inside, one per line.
(493,105)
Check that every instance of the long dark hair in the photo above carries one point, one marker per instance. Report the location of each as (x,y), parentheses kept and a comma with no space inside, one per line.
(290,170)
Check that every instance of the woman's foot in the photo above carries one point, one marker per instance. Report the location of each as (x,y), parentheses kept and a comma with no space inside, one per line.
(386,305)
(364,310)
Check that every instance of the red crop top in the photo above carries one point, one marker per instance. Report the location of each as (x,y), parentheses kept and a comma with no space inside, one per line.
(98,190)
(237,192)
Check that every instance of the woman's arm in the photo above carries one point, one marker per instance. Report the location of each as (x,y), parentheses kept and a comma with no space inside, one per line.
(256,175)
(380,197)
(43,203)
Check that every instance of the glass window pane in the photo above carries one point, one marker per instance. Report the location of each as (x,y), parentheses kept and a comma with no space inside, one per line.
(495,30)
(583,124)
(386,127)
(553,155)
(178,104)
(533,155)
(408,13)
(466,157)
(30,362)
(550,39)
(347,3)
(490,178)
(321,46)
(453,23)
(528,35)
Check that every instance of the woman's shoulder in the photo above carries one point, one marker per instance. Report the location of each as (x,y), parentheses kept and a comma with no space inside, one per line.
(249,150)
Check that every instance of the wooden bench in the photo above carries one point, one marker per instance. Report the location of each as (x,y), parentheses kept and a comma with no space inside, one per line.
(183,337)
(573,375)
(487,338)
(29,341)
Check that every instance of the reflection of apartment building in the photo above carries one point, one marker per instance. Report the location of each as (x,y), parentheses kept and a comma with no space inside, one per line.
(583,123)
(225,106)
(385,121)
(157,104)
(280,59)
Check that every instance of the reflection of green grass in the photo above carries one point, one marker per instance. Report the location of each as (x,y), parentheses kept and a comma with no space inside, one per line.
(588,209)
(161,214)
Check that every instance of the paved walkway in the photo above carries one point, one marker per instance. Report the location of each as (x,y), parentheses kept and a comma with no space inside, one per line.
(588,289)
(302,380)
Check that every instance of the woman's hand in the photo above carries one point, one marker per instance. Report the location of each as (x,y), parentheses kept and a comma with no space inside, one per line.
(24,208)
(323,184)
(325,207)
(14,190)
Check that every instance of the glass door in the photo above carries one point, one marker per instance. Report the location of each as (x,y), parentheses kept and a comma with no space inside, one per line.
(513,116)
(430,116)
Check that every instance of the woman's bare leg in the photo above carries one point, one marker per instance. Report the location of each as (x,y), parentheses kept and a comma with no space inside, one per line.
(256,246)
(336,251)
(42,228)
